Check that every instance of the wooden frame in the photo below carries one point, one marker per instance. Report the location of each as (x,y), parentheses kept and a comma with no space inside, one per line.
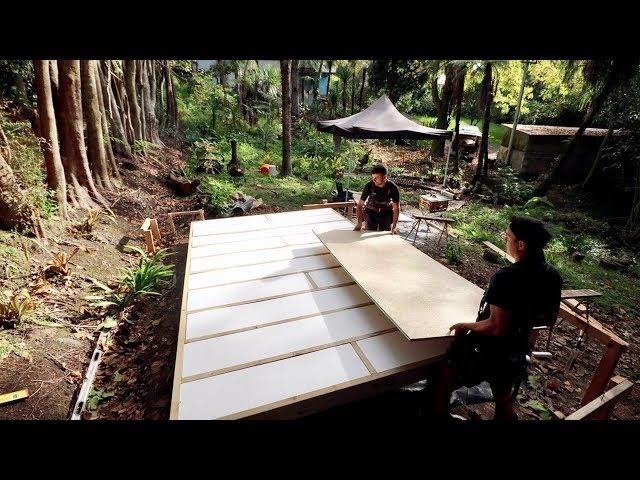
(349,205)
(615,346)
(313,401)
(172,215)
(151,233)
(601,407)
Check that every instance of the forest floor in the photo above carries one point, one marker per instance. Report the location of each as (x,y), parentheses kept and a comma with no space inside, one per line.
(49,354)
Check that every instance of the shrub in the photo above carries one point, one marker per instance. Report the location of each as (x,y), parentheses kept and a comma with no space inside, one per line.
(454,251)
(217,193)
(15,307)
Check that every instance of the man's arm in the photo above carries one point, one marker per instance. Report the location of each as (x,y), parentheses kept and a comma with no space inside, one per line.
(495,325)
(359,214)
(396,214)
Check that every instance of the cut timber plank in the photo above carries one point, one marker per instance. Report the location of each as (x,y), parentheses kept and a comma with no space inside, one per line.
(281,340)
(262,270)
(251,315)
(242,390)
(582,293)
(246,291)
(267,233)
(240,259)
(497,250)
(601,407)
(330,277)
(393,350)
(421,296)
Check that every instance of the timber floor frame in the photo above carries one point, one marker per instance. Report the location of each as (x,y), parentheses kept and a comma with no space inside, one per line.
(271,326)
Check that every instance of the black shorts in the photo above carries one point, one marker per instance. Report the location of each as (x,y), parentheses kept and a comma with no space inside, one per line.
(378,220)
(477,358)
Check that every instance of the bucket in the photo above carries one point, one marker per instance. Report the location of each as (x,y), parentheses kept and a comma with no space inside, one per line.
(273,170)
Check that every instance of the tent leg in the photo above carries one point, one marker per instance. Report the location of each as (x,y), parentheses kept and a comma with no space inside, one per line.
(337,140)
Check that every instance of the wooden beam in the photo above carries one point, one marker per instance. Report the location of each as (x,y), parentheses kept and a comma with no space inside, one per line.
(604,372)
(313,206)
(497,250)
(155,229)
(602,407)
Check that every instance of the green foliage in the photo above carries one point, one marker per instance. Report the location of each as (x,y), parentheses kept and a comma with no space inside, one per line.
(27,163)
(454,251)
(97,396)
(15,307)
(148,278)
(539,201)
(8,346)
(217,193)
(540,408)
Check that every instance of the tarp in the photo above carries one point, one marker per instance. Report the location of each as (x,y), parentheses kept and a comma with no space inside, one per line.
(381,120)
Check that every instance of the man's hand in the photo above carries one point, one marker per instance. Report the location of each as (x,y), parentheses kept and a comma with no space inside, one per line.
(459,328)
(358,227)
(394,230)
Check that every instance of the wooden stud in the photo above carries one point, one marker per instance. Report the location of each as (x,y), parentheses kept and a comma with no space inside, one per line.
(601,407)
(604,372)
(148,239)
(155,229)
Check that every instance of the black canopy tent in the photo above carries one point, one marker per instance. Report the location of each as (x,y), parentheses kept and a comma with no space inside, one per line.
(381,120)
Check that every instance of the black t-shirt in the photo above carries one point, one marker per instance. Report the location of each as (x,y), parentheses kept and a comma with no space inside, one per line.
(530,290)
(380,197)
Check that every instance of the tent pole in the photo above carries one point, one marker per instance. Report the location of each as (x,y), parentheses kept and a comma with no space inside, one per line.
(337,140)
(446,167)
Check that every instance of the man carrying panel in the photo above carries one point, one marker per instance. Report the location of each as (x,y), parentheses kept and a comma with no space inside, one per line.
(379,204)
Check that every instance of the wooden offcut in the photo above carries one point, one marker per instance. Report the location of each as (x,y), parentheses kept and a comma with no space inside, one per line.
(422,297)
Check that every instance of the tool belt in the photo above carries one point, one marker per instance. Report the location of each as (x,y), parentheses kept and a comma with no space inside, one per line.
(378,207)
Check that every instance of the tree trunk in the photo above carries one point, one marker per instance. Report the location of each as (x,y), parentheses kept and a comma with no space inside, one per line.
(80,186)
(486,97)
(135,112)
(353,88)
(596,161)
(316,84)
(123,131)
(150,86)
(364,78)
(329,77)
(556,165)
(285,74)
(140,72)
(631,235)
(295,89)
(344,96)
(96,151)
(443,105)
(172,106)
(49,132)
(459,92)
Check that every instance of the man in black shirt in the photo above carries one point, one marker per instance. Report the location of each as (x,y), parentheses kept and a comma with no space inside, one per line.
(380,202)
(518,298)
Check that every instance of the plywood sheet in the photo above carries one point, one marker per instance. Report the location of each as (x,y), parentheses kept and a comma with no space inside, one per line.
(268,233)
(225,319)
(242,390)
(246,291)
(421,296)
(236,247)
(240,259)
(261,270)
(393,350)
(330,277)
(276,340)
(229,225)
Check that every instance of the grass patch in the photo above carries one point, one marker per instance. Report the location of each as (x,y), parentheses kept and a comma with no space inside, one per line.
(8,346)
(496,131)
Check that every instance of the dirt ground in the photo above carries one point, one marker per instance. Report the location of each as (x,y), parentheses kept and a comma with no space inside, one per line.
(135,376)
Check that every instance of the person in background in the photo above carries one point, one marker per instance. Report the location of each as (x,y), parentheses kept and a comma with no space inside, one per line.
(379,204)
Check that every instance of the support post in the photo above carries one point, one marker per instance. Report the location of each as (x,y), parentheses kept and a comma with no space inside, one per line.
(516,118)
(446,167)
